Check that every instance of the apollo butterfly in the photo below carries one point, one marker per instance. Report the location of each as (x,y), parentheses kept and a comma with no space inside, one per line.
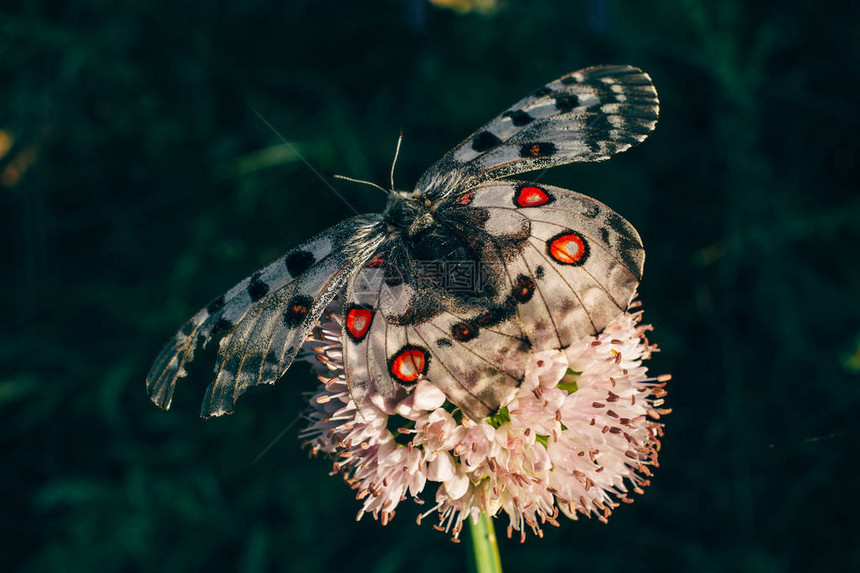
(458,280)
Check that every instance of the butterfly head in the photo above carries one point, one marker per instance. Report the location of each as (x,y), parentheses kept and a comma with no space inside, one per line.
(409,213)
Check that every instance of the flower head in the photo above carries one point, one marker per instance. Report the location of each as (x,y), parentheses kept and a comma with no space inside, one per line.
(579,433)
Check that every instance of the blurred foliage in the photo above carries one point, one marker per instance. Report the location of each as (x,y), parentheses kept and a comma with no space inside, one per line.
(137,183)
(484,6)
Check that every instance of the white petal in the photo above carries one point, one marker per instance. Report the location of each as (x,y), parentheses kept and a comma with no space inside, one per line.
(457,485)
(426,396)
(441,468)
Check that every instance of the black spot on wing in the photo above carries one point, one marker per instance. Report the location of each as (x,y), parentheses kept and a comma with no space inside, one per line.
(604,92)
(524,289)
(518,117)
(216,305)
(539,272)
(592,212)
(544,91)
(638,111)
(297,262)
(485,141)
(598,132)
(444,343)
(619,225)
(297,309)
(565,102)
(628,247)
(257,289)
(604,234)
(464,331)
(538,149)
(221,325)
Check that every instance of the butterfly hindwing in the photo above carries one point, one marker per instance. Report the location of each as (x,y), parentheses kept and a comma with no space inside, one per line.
(255,314)
(579,268)
(476,366)
(587,115)
(520,266)
(387,349)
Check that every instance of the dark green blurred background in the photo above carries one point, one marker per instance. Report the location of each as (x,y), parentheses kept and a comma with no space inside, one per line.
(140,184)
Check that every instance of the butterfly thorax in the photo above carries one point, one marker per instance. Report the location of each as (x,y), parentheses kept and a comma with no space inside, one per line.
(408,214)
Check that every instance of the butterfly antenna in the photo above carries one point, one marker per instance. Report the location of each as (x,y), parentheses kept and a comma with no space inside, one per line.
(345,178)
(396,155)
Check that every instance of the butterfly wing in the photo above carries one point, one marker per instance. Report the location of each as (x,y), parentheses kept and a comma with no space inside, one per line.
(579,267)
(262,320)
(524,267)
(587,115)
(407,317)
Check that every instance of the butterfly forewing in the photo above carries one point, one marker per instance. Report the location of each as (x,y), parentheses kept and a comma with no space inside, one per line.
(311,271)
(588,115)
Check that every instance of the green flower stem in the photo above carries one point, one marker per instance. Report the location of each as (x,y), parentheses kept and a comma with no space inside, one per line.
(486,549)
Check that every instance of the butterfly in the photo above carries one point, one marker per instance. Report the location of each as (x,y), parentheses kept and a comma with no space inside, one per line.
(456,281)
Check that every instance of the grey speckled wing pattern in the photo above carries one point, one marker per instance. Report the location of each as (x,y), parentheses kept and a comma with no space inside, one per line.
(588,115)
(458,280)
(261,321)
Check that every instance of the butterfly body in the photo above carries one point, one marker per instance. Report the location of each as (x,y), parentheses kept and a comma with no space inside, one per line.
(408,214)
(457,280)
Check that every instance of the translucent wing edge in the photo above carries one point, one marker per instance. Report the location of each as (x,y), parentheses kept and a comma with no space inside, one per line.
(212,320)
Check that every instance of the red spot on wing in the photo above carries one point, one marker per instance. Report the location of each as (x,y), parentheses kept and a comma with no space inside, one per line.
(375,261)
(358,322)
(531,196)
(568,248)
(466,199)
(409,364)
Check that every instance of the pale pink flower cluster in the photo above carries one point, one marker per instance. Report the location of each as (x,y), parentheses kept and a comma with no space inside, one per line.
(574,438)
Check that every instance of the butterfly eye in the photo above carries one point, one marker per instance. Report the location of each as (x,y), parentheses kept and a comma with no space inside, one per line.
(427,203)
